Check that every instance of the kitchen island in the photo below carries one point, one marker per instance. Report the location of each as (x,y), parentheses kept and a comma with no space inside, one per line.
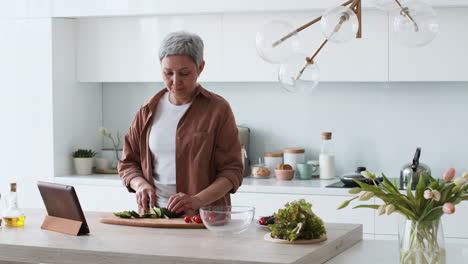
(105,192)
(386,252)
(125,244)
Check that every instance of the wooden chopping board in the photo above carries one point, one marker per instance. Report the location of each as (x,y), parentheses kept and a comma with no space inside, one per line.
(149,222)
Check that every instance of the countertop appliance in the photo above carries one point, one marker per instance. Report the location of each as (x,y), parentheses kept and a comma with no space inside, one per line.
(348,178)
(340,184)
(414,170)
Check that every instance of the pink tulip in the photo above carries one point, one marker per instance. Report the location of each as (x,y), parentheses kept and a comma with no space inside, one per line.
(449,174)
(448,208)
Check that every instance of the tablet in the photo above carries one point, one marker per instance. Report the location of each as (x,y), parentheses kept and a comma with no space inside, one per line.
(61,201)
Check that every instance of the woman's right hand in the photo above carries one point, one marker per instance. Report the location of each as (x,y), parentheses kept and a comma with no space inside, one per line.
(145,193)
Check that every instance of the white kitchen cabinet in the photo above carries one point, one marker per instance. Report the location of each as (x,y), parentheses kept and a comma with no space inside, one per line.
(126,49)
(454,225)
(444,59)
(25,9)
(84,8)
(324,206)
(241,61)
(359,60)
(105,199)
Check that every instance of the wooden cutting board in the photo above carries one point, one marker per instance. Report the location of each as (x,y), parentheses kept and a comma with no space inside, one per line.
(149,222)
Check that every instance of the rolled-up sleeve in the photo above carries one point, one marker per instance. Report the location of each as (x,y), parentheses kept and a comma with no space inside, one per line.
(228,156)
(130,163)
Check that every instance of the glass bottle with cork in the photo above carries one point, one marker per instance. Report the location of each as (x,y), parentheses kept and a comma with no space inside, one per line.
(327,157)
(13,216)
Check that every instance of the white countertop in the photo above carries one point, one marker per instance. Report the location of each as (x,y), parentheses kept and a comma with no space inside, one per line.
(126,244)
(249,184)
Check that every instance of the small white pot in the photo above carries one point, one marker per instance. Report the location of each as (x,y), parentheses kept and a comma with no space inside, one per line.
(83,166)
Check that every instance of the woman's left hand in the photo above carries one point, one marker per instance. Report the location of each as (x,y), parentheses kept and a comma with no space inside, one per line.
(182,202)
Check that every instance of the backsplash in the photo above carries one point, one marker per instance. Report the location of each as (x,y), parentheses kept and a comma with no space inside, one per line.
(377,125)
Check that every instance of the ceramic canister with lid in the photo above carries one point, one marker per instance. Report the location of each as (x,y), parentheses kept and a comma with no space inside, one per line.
(272,160)
(292,156)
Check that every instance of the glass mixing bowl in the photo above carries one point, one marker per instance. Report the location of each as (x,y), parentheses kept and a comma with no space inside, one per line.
(227,220)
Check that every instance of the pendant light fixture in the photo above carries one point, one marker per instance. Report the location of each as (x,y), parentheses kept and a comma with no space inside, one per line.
(414,24)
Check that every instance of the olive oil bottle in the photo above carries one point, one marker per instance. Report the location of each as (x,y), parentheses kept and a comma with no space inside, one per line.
(13,216)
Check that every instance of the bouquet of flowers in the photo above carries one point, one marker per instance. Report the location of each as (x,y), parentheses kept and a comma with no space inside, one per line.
(422,208)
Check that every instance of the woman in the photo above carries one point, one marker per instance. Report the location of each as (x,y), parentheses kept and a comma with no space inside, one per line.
(182,149)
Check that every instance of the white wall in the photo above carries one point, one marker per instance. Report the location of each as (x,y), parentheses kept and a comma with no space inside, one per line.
(77,106)
(26,148)
(377,125)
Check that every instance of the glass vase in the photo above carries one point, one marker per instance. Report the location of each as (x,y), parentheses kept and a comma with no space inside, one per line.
(421,242)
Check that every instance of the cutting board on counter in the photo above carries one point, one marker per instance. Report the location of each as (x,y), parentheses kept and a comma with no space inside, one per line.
(149,222)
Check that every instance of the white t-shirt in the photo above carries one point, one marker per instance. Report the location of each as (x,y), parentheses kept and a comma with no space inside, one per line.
(162,143)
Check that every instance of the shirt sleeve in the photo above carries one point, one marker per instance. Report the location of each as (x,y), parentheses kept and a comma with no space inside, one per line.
(228,155)
(130,163)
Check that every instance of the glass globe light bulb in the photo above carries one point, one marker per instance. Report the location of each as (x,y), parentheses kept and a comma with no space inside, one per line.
(271,33)
(339,24)
(292,80)
(418,33)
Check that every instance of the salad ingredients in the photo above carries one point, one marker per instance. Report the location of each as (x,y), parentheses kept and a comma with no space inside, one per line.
(154,212)
(266,220)
(197,219)
(297,221)
(187,219)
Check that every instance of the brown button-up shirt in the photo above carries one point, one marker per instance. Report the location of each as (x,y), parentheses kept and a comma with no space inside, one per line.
(207,146)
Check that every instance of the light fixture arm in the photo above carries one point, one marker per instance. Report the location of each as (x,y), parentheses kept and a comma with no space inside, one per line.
(405,12)
(299,29)
(355,4)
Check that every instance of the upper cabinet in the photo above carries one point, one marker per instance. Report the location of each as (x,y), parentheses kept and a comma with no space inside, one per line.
(362,59)
(444,59)
(94,8)
(126,49)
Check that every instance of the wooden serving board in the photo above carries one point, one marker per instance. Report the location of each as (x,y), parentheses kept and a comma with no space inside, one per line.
(108,171)
(268,237)
(149,222)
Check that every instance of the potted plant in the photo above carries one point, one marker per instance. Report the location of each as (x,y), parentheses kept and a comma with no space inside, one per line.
(420,235)
(83,160)
(116,151)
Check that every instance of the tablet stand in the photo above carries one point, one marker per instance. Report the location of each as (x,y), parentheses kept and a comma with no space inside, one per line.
(62,225)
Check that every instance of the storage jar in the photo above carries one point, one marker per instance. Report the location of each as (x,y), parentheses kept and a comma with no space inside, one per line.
(272,160)
(292,156)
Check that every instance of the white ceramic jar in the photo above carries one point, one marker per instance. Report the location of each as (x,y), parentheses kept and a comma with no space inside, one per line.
(272,160)
(293,156)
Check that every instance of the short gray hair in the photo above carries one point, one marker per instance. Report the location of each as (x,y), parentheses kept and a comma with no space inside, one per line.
(182,43)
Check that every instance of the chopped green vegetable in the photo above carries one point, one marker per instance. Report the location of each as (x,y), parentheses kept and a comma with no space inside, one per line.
(134,214)
(297,222)
(124,214)
(154,212)
(171,214)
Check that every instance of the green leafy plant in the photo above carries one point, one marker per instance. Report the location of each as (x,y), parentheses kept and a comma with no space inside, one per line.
(297,221)
(83,153)
(423,208)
